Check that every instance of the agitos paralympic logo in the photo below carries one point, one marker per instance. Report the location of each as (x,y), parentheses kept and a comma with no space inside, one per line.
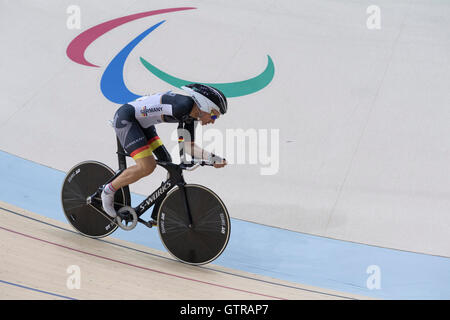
(112,83)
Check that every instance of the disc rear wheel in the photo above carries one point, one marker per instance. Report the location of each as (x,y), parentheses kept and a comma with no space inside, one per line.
(82,181)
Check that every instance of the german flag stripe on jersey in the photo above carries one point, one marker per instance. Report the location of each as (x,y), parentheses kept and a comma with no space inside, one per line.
(148,149)
(154,143)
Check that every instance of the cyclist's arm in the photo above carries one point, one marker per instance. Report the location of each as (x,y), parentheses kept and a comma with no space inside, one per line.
(187,131)
(197,152)
(191,148)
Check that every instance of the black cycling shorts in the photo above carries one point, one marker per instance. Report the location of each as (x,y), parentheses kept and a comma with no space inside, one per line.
(137,141)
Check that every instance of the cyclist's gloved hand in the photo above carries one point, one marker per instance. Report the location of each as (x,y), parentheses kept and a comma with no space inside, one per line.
(217,161)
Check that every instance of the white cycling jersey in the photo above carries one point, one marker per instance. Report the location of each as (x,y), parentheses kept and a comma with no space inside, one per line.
(149,110)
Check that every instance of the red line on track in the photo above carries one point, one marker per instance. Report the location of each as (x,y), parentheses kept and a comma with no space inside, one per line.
(140,267)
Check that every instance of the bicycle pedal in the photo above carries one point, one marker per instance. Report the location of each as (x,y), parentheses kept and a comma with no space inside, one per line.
(150,224)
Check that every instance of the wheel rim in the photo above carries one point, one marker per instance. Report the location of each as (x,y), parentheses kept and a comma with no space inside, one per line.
(208,237)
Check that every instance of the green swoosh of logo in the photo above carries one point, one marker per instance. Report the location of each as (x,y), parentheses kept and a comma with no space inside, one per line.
(232,89)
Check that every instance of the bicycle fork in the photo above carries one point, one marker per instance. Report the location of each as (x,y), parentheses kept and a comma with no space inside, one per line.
(186,205)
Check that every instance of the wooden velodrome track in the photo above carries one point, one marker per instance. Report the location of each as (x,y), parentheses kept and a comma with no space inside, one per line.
(36,253)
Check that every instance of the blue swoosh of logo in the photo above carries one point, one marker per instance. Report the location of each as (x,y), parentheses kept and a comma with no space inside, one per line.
(112,84)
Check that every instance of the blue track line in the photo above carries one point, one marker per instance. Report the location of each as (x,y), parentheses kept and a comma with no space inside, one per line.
(36,290)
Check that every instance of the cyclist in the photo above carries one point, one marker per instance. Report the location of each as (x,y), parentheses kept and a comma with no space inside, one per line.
(135,121)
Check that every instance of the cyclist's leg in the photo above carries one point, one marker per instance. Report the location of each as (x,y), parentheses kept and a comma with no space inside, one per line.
(144,167)
(138,144)
(161,153)
(156,145)
(135,143)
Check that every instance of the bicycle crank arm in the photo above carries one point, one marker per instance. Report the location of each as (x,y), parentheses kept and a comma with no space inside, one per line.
(123,214)
(148,224)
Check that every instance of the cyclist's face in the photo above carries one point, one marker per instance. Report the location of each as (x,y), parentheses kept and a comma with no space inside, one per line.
(209,117)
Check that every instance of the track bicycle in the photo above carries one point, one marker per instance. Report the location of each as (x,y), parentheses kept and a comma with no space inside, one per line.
(192,221)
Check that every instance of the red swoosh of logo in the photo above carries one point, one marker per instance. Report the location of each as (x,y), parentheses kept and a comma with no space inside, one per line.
(76,48)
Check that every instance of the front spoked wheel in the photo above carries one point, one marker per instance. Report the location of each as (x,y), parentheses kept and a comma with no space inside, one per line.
(81,182)
(204,240)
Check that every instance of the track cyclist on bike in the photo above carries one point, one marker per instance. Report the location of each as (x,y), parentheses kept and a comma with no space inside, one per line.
(135,121)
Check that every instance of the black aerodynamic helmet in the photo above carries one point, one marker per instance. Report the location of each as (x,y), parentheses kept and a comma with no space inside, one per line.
(207,97)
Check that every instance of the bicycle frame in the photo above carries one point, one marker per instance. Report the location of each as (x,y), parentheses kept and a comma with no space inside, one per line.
(175,179)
